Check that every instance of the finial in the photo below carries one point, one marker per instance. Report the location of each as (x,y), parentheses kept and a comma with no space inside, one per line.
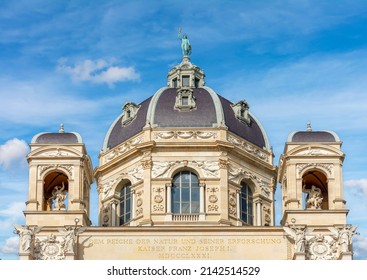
(309,128)
(61,130)
(185,43)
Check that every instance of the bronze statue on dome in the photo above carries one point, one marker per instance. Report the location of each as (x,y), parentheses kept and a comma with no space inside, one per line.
(185,43)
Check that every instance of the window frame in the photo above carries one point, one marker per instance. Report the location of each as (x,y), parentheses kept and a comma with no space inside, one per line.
(247,197)
(125,204)
(193,203)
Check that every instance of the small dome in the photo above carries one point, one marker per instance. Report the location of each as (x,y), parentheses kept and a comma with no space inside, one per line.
(57,138)
(313,136)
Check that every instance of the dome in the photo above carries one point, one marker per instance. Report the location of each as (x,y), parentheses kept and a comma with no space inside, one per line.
(186,103)
(313,136)
(57,138)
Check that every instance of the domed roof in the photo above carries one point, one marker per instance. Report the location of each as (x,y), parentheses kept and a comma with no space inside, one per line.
(186,103)
(313,136)
(57,138)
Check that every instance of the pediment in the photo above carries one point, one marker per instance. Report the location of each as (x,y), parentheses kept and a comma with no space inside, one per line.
(318,150)
(55,152)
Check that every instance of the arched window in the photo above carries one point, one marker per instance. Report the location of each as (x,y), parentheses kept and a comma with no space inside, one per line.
(185,193)
(246,204)
(125,204)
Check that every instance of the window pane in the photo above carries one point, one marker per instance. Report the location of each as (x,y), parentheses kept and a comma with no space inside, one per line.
(185,192)
(195,194)
(184,101)
(185,81)
(185,177)
(175,194)
(195,207)
(194,179)
(176,207)
(185,207)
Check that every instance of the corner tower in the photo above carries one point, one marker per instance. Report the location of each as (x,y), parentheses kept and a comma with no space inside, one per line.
(60,175)
(310,174)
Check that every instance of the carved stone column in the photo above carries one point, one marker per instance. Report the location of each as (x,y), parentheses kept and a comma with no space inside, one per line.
(202,202)
(258,213)
(147,165)
(169,202)
(114,213)
(238,205)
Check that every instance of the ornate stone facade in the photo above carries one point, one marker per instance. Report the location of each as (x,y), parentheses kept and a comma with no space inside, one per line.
(186,174)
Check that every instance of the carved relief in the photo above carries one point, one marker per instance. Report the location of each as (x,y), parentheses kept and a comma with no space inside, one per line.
(160,169)
(213,199)
(106,188)
(123,148)
(139,203)
(232,202)
(49,248)
(302,166)
(210,169)
(314,152)
(247,147)
(237,174)
(106,214)
(67,167)
(267,215)
(321,247)
(136,172)
(57,153)
(147,164)
(158,199)
(185,135)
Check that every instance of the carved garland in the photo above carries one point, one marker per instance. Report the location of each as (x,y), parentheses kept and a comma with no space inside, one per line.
(185,135)
(247,147)
(122,149)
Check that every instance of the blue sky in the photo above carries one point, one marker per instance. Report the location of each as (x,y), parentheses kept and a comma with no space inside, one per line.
(78,62)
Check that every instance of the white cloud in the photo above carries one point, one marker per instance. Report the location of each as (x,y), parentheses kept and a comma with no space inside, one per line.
(360,185)
(98,71)
(13,211)
(13,153)
(360,247)
(11,246)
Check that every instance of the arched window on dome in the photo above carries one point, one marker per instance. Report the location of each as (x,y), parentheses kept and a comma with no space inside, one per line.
(185,193)
(125,204)
(246,204)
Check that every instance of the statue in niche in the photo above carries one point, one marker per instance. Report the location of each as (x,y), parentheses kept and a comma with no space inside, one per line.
(185,43)
(314,198)
(26,235)
(59,195)
(344,237)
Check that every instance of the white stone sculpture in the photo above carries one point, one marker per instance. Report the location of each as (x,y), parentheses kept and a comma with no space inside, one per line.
(314,198)
(59,195)
(26,234)
(298,235)
(344,237)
